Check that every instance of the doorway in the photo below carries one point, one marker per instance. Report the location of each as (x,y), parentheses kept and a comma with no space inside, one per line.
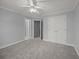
(38,29)
(33,29)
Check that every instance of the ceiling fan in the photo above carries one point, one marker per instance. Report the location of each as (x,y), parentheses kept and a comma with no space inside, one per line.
(33,5)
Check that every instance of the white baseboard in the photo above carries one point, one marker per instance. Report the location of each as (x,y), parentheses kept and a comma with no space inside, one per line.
(76,48)
(61,43)
(11,44)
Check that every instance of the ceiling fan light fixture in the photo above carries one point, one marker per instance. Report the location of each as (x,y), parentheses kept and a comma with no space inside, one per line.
(33,10)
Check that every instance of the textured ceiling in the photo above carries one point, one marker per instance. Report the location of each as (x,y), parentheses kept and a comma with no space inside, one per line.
(48,7)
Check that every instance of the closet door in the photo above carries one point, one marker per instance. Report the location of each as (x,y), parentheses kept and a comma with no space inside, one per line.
(57,29)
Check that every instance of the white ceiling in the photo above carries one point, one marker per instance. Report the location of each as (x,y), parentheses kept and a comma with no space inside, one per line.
(48,6)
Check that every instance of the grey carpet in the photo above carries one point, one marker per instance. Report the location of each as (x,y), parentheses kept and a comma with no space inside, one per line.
(37,49)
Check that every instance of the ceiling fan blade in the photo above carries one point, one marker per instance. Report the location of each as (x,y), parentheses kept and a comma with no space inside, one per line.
(38,7)
(35,2)
(31,3)
(24,6)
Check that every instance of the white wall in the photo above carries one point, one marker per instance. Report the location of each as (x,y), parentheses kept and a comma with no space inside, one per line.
(73,28)
(11,27)
(76,26)
(55,29)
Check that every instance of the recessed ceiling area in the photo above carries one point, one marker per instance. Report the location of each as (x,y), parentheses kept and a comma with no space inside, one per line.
(48,7)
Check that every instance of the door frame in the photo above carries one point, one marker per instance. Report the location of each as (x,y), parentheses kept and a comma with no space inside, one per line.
(40,28)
